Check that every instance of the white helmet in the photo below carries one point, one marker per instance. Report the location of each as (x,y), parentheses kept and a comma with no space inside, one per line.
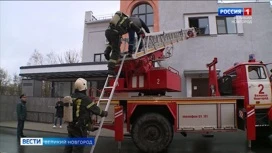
(81,84)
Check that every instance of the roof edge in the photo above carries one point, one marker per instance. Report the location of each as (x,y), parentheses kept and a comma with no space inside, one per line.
(63,65)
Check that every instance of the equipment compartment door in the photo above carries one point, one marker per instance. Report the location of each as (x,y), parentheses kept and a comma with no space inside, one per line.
(207,116)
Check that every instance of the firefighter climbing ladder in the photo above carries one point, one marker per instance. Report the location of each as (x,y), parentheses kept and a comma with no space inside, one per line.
(160,40)
(108,99)
(151,43)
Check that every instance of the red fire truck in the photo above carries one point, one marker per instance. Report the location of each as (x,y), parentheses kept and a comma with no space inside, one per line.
(239,100)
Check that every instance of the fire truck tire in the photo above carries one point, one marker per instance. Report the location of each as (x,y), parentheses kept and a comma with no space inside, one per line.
(152,132)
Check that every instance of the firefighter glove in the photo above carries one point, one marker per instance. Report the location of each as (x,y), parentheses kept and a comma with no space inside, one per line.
(104,114)
(142,34)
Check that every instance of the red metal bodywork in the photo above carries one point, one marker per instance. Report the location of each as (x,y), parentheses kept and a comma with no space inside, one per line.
(161,79)
(270,114)
(213,84)
(172,106)
(240,87)
(251,121)
(118,123)
(141,75)
(240,83)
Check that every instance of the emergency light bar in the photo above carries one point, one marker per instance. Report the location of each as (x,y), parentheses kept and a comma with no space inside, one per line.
(251,58)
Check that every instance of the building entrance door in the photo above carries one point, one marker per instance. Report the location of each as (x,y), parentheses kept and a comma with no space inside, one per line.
(200,87)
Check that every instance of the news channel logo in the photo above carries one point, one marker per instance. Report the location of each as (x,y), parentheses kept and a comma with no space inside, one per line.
(56,141)
(242,15)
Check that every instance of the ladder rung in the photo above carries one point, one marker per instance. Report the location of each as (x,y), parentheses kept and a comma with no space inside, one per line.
(108,122)
(157,41)
(109,87)
(105,122)
(104,99)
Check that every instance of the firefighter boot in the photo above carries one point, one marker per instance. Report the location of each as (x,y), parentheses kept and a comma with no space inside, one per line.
(111,67)
(111,73)
(129,54)
(107,53)
(140,47)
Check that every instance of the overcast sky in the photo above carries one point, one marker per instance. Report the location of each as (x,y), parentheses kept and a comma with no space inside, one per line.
(45,26)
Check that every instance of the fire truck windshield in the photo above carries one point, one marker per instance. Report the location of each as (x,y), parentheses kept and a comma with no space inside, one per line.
(256,72)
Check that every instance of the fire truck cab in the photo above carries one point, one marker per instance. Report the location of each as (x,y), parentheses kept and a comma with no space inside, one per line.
(252,81)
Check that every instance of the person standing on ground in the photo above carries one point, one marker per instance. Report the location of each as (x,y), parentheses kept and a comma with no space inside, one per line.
(59,112)
(21,116)
(83,108)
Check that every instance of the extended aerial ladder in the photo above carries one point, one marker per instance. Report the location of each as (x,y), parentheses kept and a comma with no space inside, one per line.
(157,41)
(154,44)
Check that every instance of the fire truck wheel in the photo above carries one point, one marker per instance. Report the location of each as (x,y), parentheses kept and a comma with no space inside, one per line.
(152,133)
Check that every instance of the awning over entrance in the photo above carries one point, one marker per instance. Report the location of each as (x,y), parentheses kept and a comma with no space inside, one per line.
(62,71)
(198,73)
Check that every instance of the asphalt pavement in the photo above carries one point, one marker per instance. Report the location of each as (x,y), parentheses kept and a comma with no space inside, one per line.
(193,143)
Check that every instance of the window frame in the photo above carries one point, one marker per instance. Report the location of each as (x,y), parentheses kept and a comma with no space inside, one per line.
(200,17)
(225,25)
(233,74)
(145,13)
(100,57)
(261,69)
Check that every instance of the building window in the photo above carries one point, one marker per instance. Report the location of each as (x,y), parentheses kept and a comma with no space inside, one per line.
(201,24)
(99,57)
(145,12)
(226,25)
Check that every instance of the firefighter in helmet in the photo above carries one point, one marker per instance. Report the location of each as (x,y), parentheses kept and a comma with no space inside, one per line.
(119,25)
(83,108)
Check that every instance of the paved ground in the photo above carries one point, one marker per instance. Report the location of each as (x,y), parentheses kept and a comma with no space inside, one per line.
(193,143)
(45,127)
